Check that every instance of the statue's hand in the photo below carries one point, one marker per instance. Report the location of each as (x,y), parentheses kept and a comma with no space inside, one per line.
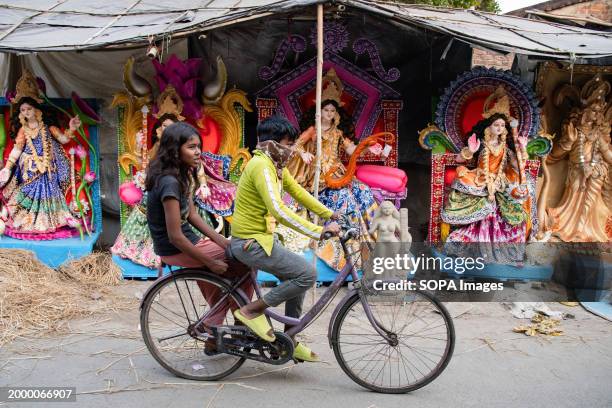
(74,123)
(5,174)
(523,140)
(571,132)
(336,215)
(514,123)
(473,143)
(376,149)
(307,157)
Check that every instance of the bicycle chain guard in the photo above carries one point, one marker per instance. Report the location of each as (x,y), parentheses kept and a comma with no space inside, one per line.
(239,341)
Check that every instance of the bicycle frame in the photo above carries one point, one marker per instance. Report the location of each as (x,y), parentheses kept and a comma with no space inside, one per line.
(299,324)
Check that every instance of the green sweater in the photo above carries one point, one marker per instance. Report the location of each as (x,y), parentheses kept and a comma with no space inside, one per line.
(259,195)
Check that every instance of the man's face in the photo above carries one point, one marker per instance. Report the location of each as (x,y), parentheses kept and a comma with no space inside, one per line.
(286,141)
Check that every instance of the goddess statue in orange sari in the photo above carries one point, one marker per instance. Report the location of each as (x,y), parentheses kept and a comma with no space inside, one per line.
(492,203)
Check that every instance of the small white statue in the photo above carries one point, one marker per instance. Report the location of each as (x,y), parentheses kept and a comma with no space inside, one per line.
(391,226)
(386,223)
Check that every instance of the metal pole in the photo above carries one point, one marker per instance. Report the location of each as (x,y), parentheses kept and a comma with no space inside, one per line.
(319,86)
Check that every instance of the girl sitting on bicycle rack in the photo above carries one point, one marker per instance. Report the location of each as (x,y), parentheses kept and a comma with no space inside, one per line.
(170,184)
(253,242)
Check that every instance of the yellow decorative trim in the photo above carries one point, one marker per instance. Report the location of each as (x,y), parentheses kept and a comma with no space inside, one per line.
(132,124)
(228,118)
(466,153)
(546,135)
(243,154)
(444,231)
(128,159)
(423,133)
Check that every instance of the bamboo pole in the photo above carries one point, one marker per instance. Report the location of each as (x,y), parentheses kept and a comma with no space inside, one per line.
(318,101)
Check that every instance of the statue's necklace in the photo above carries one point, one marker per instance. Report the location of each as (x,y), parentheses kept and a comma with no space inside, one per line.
(41,162)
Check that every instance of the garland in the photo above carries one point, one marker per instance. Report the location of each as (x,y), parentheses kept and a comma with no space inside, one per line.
(42,164)
(494,181)
(594,152)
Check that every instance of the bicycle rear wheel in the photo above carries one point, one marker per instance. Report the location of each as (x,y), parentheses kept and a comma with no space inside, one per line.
(168,314)
(424,341)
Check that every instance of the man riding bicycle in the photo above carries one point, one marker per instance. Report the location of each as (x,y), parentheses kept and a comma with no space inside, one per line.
(253,242)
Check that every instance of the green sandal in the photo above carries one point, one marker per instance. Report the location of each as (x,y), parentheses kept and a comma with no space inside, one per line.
(258,325)
(303,353)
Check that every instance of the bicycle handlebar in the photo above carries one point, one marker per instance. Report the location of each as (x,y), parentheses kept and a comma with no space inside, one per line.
(327,235)
(348,234)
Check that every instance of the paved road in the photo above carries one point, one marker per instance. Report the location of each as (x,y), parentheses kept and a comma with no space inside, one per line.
(104,357)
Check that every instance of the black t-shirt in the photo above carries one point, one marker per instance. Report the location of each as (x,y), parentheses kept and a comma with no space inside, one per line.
(167,186)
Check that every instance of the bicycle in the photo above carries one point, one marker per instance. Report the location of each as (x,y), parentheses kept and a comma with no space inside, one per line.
(376,350)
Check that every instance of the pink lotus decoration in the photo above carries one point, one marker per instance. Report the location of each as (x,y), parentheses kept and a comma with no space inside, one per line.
(129,193)
(184,77)
(73,223)
(90,176)
(80,152)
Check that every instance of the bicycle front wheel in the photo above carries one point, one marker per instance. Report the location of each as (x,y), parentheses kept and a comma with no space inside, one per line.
(167,319)
(423,339)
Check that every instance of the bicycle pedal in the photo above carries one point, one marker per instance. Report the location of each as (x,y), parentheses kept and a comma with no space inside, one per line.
(209,352)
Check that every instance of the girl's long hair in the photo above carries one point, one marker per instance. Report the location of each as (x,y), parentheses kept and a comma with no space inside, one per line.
(345,125)
(168,162)
(48,118)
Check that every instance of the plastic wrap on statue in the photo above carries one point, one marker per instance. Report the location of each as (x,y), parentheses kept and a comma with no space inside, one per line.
(575,201)
(585,209)
(364,104)
(133,249)
(483,194)
(48,184)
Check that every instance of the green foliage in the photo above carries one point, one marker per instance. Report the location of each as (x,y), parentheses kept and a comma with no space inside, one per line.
(483,5)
